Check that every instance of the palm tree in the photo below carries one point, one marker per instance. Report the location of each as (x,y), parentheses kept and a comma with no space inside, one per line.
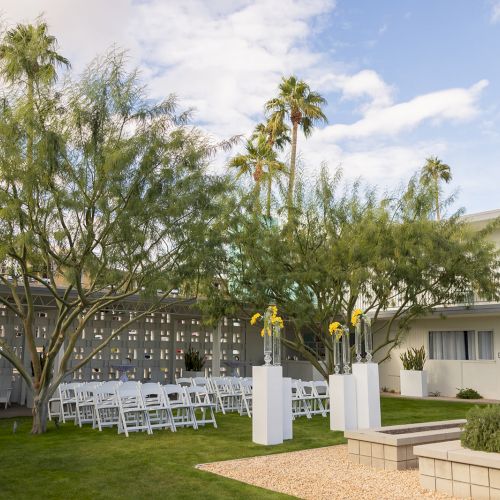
(277,136)
(302,106)
(259,155)
(431,174)
(28,55)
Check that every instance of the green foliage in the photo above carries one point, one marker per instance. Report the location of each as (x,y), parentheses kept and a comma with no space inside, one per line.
(103,189)
(468,394)
(413,359)
(482,430)
(347,245)
(193,360)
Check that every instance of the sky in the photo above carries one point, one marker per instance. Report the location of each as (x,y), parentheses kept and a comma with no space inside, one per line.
(404,80)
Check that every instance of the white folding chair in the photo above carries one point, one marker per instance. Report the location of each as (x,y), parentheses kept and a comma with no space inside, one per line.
(184,381)
(322,392)
(5,396)
(199,399)
(84,395)
(309,394)
(133,413)
(181,409)
(160,415)
(68,401)
(246,397)
(300,404)
(205,382)
(106,407)
(225,395)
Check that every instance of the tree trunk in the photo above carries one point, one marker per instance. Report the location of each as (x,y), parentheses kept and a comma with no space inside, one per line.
(256,192)
(39,425)
(438,215)
(291,179)
(269,189)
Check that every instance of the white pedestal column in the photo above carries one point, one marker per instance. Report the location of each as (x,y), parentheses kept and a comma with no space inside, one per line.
(368,394)
(287,409)
(343,415)
(267,413)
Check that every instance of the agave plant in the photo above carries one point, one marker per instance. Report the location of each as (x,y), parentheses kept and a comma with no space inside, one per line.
(193,360)
(413,359)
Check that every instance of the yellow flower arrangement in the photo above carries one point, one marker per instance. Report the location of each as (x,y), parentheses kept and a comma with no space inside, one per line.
(274,320)
(336,328)
(254,319)
(357,313)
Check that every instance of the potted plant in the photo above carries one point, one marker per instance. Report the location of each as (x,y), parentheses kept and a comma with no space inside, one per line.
(413,377)
(194,363)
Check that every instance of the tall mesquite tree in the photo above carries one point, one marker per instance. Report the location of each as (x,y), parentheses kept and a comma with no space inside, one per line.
(300,105)
(350,249)
(117,203)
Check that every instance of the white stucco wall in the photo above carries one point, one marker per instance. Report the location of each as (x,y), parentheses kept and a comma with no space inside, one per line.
(448,376)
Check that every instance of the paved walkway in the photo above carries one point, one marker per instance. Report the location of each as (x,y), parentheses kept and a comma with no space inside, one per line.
(323,474)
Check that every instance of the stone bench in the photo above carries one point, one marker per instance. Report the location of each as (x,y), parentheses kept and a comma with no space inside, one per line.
(452,469)
(391,447)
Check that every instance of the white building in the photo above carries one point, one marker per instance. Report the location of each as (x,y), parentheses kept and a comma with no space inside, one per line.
(462,342)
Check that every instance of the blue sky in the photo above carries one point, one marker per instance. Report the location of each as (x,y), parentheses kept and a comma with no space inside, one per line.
(404,79)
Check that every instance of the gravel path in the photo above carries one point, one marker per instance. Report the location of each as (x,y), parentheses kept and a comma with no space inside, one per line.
(322,473)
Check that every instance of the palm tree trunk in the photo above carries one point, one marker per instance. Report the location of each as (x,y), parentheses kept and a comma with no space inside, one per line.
(256,192)
(438,215)
(436,187)
(291,179)
(269,189)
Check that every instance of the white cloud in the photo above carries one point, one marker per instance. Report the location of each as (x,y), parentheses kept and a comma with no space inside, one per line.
(451,104)
(364,84)
(225,58)
(495,12)
(380,164)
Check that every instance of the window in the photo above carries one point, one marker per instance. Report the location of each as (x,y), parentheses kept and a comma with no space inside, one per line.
(461,345)
(485,345)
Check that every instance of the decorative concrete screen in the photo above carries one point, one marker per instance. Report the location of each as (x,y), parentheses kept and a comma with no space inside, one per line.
(155,344)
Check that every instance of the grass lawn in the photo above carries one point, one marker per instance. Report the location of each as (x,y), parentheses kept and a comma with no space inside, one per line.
(83,463)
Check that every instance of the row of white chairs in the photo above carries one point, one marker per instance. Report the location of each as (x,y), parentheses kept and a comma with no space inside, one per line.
(151,405)
(226,393)
(132,406)
(235,394)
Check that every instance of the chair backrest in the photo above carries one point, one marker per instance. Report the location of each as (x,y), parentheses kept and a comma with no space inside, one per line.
(203,381)
(152,394)
(5,395)
(129,396)
(307,388)
(131,384)
(184,381)
(321,387)
(111,385)
(67,391)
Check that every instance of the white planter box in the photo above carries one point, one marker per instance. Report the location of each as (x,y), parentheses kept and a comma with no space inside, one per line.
(413,383)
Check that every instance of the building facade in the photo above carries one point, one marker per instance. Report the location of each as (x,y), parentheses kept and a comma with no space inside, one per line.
(462,342)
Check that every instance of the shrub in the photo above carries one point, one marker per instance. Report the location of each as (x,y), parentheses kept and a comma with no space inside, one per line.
(482,430)
(193,360)
(468,394)
(413,359)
